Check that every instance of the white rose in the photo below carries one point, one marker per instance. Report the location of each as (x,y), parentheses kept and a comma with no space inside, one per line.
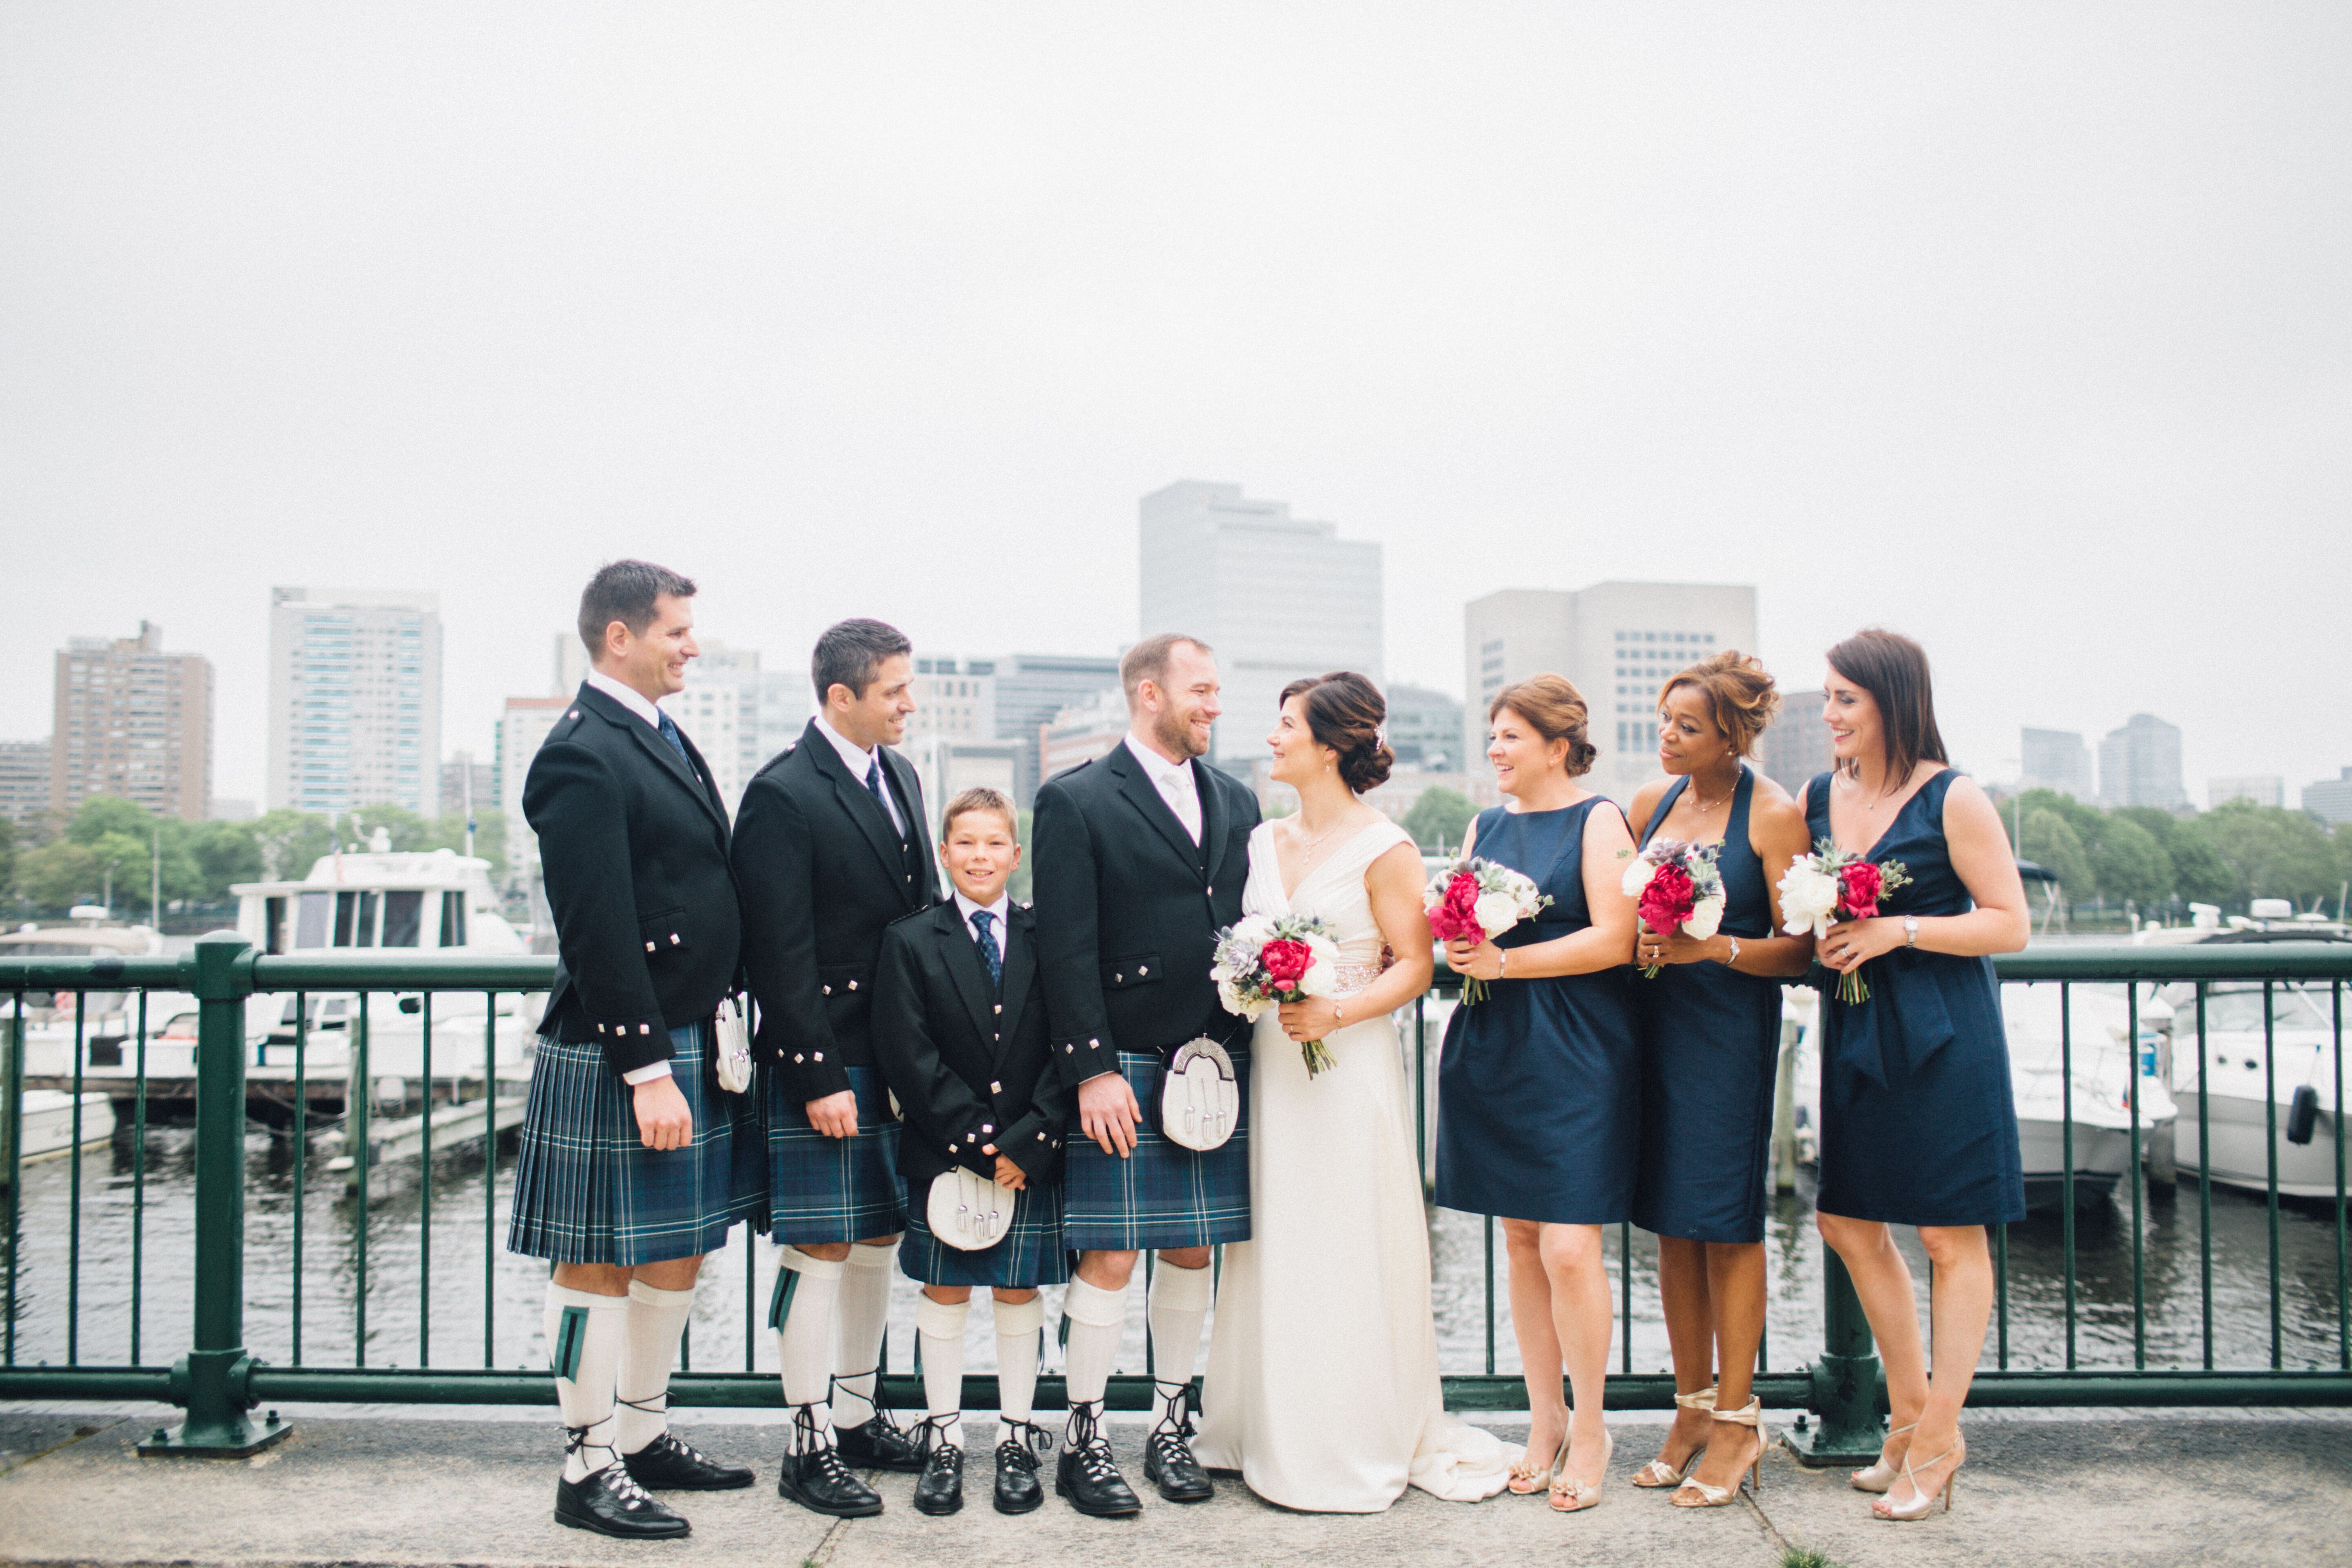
(1706,916)
(1496,913)
(1807,901)
(1638,873)
(1254,930)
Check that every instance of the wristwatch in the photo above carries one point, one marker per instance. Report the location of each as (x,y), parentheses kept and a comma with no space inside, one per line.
(1910,930)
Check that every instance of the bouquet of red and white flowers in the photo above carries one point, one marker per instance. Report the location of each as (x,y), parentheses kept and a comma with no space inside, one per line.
(1477,901)
(1676,887)
(1264,960)
(1831,885)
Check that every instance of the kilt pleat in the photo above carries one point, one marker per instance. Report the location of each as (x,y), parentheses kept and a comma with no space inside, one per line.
(1164,1196)
(1029,1253)
(833,1189)
(586,1188)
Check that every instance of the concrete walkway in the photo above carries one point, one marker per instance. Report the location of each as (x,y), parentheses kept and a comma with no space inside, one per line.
(2076,1487)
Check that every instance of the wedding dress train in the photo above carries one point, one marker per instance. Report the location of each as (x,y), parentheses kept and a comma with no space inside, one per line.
(1322,1388)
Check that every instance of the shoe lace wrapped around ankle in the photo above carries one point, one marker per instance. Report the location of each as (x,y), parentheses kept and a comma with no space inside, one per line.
(1176,1409)
(1029,1441)
(1092,1448)
(873,1401)
(933,1444)
(810,1447)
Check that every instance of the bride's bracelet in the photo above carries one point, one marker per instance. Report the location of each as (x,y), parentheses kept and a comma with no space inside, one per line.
(1503,967)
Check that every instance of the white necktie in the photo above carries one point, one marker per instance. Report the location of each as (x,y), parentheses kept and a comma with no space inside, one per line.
(1176,788)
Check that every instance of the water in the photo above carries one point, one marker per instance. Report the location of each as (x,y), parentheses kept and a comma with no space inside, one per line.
(407,1325)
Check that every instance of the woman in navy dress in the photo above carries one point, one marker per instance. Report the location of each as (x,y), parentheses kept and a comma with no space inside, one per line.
(1540,1086)
(1710,1047)
(1919,1125)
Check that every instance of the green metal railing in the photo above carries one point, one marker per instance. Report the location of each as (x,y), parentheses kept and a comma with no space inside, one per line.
(219,1384)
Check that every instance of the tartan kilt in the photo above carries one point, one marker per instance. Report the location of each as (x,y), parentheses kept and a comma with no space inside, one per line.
(834,1189)
(1030,1252)
(1164,1195)
(587,1190)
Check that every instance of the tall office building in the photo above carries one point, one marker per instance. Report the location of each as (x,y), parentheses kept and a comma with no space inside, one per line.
(24,780)
(2330,800)
(1276,597)
(721,709)
(2259,789)
(955,698)
(2139,764)
(521,728)
(132,721)
(1616,643)
(354,700)
(2056,760)
(1081,732)
(1031,689)
(1796,746)
(1424,729)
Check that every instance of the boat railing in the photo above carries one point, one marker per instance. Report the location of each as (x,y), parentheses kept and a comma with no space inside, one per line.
(177,1332)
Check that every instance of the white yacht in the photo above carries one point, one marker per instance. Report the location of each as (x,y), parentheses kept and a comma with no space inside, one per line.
(107,1020)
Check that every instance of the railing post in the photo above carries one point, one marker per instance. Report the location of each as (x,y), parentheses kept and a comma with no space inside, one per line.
(1845,1379)
(212,1381)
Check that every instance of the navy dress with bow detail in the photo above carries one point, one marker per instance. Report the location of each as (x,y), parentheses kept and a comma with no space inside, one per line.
(1918,1118)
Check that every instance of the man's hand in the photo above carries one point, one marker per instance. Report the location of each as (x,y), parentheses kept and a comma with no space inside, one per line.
(835,1115)
(1009,1176)
(663,1121)
(1108,1113)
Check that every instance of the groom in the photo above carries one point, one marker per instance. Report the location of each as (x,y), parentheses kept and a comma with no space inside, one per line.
(1140,859)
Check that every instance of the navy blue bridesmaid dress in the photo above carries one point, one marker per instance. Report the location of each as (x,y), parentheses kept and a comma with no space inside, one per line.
(1538,1087)
(1918,1120)
(1710,1047)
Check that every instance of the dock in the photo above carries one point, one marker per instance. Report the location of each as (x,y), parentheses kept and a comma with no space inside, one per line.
(391,1142)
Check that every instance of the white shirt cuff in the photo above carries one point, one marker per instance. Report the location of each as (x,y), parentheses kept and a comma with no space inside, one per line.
(647,1073)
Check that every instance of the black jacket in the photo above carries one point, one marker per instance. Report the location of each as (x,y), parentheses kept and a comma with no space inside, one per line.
(632,848)
(1129,910)
(822,873)
(968,1061)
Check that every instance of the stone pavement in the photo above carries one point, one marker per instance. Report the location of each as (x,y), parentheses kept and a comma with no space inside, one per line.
(2072,1488)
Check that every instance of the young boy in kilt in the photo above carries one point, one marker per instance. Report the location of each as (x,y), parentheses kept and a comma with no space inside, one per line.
(627,1171)
(959,1033)
(830,848)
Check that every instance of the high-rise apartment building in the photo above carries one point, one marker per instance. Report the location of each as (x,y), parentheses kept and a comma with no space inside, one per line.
(2139,764)
(2056,760)
(1616,643)
(1276,597)
(2260,789)
(521,728)
(24,780)
(1795,747)
(354,700)
(132,721)
(1031,689)
(721,709)
(1424,729)
(2330,800)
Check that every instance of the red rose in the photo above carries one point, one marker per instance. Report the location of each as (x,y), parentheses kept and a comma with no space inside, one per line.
(1668,900)
(1861,885)
(1287,963)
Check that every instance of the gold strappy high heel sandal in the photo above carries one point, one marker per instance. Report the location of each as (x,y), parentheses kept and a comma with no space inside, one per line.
(1881,1474)
(1657,1472)
(1527,1479)
(1697,1493)
(1917,1507)
(1575,1497)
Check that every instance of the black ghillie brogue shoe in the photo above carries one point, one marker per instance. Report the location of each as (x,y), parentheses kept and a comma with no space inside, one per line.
(940,1488)
(1087,1474)
(876,1443)
(666,1464)
(1167,1461)
(815,1478)
(610,1504)
(1017,1490)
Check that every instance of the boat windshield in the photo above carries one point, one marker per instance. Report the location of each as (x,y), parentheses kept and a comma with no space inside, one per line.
(2240,1012)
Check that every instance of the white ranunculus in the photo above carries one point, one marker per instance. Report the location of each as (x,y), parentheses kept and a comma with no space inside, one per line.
(1254,930)
(1638,872)
(1809,901)
(1706,916)
(1496,913)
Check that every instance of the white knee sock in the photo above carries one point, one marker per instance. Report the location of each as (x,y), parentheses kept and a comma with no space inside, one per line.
(656,1319)
(1177,1307)
(1018,1326)
(865,1313)
(584,1334)
(1097,1320)
(940,1326)
(807,1289)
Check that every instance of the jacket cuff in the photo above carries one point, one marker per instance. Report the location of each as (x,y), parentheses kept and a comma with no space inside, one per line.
(1033,1144)
(634,1043)
(1082,1057)
(812,1075)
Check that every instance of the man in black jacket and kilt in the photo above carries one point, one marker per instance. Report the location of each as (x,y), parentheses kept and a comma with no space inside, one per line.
(627,1171)
(1140,859)
(830,848)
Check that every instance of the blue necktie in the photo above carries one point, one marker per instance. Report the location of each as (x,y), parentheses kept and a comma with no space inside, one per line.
(676,741)
(881,798)
(982,920)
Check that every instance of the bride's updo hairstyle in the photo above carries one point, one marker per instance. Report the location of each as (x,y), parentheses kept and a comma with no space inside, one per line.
(1739,697)
(1346,713)
(1555,710)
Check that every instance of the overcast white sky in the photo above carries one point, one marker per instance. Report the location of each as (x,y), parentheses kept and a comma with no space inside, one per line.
(2022,328)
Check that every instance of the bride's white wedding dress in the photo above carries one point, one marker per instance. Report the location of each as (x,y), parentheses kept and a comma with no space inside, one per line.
(1322,1387)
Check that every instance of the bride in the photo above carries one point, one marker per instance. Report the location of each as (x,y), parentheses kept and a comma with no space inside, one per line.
(1322,1387)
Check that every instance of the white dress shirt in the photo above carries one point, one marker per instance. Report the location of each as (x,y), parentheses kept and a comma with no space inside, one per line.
(636,703)
(997,925)
(859,761)
(1174,782)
